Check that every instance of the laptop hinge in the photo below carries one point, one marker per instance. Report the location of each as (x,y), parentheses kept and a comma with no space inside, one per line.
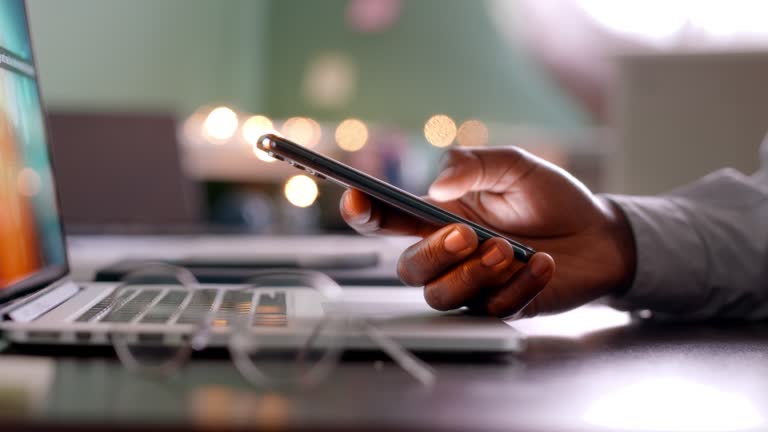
(32,307)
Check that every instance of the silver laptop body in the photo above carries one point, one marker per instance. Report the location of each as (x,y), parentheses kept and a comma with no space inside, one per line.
(91,314)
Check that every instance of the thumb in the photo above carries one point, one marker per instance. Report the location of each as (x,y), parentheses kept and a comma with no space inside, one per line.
(474,170)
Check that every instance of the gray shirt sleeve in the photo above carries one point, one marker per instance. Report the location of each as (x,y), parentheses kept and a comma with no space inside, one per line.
(702,250)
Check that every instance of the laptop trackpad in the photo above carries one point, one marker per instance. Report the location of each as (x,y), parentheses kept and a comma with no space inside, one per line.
(379,302)
(403,314)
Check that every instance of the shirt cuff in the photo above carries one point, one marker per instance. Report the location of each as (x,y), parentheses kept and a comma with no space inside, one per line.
(671,268)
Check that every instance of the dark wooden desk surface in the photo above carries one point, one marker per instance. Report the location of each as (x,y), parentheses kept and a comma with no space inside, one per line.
(637,376)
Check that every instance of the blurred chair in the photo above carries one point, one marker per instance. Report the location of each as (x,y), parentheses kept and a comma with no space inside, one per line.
(121,172)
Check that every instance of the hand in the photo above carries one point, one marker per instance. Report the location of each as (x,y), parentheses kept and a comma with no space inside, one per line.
(526,198)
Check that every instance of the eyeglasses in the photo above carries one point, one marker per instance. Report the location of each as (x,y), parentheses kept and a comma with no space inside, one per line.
(283,328)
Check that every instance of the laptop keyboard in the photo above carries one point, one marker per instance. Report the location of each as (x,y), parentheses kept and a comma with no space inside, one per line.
(157,306)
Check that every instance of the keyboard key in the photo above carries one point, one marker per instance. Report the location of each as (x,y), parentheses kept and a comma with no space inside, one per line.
(199,306)
(271,311)
(132,308)
(166,308)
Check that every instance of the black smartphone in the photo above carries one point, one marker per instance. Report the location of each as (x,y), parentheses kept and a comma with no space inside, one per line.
(326,168)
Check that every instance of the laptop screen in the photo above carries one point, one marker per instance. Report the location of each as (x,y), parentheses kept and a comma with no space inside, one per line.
(32,250)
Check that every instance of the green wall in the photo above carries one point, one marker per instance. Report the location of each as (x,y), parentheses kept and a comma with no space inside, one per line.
(149,54)
(442,56)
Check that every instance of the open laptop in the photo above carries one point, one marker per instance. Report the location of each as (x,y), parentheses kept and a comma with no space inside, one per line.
(41,304)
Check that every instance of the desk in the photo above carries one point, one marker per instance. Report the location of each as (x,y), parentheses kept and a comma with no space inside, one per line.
(588,369)
(672,376)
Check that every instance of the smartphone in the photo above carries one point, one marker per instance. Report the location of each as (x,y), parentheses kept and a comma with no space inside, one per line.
(326,168)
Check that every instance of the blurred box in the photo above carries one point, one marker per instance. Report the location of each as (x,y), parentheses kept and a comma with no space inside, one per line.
(121,170)
(681,116)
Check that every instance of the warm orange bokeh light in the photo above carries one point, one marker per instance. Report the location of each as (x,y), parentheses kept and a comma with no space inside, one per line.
(440,130)
(351,135)
(301,191)
(302,130)
(220,124)
(472,133)
(255,127)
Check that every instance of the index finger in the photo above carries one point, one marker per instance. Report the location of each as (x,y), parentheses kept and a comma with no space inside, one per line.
(369,216)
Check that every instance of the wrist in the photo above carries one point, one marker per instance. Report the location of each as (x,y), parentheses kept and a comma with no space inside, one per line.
(622,252)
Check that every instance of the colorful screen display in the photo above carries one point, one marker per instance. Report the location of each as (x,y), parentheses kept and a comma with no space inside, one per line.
(31,241)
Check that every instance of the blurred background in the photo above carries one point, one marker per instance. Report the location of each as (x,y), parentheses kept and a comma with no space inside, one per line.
(154,105)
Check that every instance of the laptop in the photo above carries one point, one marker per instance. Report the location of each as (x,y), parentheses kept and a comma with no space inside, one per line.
(41,304)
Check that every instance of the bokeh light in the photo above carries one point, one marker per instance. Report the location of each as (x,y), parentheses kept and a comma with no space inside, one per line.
(330,80)
(472,133)
(220,124)
(373,16)
(440,130)
(28,182)
(302,130)
(255,127)
(301,191)
(351,135)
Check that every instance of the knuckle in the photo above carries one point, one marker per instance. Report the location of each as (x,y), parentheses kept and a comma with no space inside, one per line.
(428,253)
(464,275)
(456,285)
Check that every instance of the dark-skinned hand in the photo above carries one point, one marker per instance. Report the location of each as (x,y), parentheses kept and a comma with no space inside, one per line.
(586,248)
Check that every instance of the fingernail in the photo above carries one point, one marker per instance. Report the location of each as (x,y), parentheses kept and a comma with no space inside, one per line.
(455,242)
(359,216)
(539,267)
(492,257)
